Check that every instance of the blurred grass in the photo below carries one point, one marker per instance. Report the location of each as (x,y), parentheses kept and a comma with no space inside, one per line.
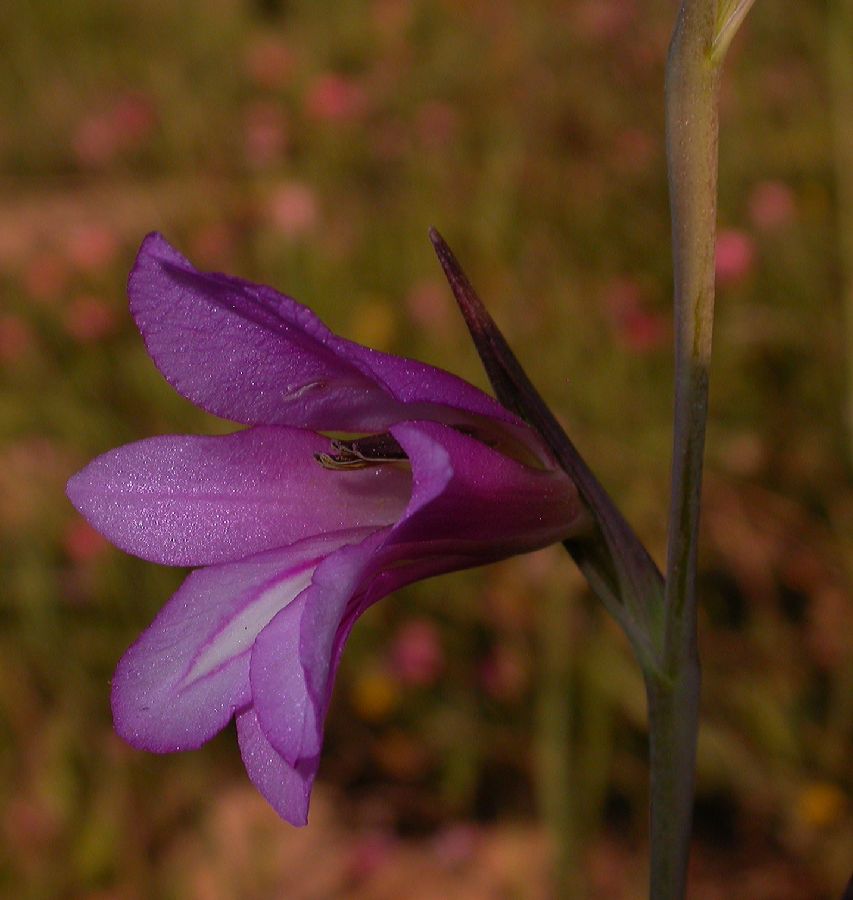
(310,146)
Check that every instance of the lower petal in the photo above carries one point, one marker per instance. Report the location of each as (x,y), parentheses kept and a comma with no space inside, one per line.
(286,788)
(187,674)
(294,658)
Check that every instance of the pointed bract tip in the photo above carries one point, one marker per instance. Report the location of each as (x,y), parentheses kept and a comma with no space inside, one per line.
(449,262)
(474,312)
(437,240)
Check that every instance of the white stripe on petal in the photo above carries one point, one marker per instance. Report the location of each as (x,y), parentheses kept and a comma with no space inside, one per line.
(239,633)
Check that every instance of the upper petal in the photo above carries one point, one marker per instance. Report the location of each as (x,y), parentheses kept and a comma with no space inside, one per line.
(193,501)
(188,672)
(248,353)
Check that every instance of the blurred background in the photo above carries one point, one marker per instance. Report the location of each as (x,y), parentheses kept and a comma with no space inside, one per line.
(310,145)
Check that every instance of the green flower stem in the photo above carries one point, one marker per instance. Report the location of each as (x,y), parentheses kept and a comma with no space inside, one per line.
(673,730)
(692,89)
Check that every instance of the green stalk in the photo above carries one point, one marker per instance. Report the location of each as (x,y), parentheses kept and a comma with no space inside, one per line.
(692,90)
(660,623)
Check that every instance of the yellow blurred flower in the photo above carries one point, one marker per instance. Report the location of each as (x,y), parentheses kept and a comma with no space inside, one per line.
(820,804)
(373,323)
(375,695)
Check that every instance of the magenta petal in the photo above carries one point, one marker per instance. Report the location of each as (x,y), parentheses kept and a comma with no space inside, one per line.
(185,676)
(244,351)
(248,353)
(427,392)
(286,788)
(192,501)
(470,504)
(299,551)
(469,499)
(295,657)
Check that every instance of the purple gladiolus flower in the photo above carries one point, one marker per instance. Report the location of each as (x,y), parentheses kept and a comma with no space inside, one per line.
(296,533)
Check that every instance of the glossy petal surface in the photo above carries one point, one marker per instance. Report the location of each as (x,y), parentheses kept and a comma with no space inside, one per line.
(181,682)
(286,788)
(470,504)
(291,700)
(295,551)
(191,501)
(467,497)
(248,353)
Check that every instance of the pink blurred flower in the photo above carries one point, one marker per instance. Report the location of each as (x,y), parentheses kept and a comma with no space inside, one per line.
(104,134)
(735,257)
(293,209)
(92,248)
(637,327)
(772,205)
(82,543)
(504,673)
(30,824)
(437,124)
(16,339)
(18,238)
(45,276)
(368,855)
(417,656)
(30,470)
(333,98)
(645,332)
(134,118)
(89,319)
(785,83)
(95,142)
(456,844)
(264,134)
(268,63)
(605,19)
(429,308)
(212,243)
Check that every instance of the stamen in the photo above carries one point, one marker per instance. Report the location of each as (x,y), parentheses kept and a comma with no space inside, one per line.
(361,453)
(378,449)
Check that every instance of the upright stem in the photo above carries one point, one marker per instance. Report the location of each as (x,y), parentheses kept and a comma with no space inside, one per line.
(691,134)
(673,729)
(660,624)
(692,87)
